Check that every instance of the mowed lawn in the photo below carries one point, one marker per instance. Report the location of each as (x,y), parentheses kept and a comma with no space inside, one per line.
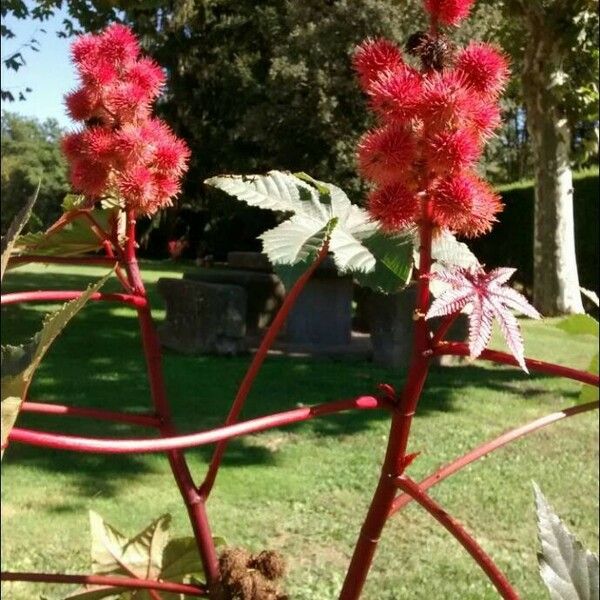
(302,490)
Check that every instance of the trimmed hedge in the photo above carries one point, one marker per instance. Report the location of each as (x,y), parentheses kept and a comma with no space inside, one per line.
(511,241)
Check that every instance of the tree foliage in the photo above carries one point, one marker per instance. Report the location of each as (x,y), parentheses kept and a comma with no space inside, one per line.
(30,156)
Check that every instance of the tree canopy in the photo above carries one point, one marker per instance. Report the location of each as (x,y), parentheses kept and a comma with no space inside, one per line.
(30,155)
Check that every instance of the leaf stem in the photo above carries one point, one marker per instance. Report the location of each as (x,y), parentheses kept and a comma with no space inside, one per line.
(255,366)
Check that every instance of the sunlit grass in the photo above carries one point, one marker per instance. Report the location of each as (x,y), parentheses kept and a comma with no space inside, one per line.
(303,490)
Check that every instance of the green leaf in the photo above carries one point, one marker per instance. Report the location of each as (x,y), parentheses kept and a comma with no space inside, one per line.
(446,249)
(72,201)
(393,269)
(589,393)
(318,208)
(15,228)
(19,363)
(569,571)
(74,238)
(139,556)
(181,559)
(579,325)
(148,555)
(275,191)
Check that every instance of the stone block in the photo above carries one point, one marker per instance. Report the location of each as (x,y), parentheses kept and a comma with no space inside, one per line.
(264,292)
(203,318)
(391,325)
(322,315)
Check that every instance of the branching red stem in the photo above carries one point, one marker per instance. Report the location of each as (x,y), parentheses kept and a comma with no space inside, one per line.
(146,420)
(191,440)
(395,456)
(104,580)
(136,300)
(459,532)
(255,366)
(443,329)
(62,260)
(459,349)
(488,447)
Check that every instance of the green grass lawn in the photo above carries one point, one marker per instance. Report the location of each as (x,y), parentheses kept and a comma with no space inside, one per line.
(302,490)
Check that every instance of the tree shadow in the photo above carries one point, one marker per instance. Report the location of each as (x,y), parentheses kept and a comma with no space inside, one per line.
(98,362)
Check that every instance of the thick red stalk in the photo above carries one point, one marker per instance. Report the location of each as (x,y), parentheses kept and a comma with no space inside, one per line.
(395,457)
(146,420)
(117,582)
(151,347)
(255,366)
(459,349)
(136,300)
(178,442)
(459,532)
(488,447)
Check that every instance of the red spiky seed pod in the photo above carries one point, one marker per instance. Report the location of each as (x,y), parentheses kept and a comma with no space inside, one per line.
(465,204)
(394,206)
(385,153)
(373,57)
(397,95)
(484,68)
(448,12)
(453,150)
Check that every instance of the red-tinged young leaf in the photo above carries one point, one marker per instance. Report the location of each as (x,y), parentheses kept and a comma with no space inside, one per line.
(488,298)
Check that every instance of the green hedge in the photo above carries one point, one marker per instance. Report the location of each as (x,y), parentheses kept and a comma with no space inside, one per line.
(511,241)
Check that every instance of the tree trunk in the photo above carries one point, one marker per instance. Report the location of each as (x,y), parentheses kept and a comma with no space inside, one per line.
(555,280)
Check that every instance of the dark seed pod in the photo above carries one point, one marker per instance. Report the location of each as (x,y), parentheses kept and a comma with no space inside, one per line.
(436,52)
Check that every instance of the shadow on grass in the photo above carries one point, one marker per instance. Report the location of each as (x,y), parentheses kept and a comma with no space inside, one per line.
(98,362)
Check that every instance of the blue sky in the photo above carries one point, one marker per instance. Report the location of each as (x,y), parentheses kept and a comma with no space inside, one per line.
(48,72)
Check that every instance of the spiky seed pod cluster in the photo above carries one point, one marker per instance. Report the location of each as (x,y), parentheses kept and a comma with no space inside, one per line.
(121,150)
(433,126)
(251,577)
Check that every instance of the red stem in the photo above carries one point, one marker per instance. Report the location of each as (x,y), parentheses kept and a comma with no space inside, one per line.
(443,329)
(187,488)
(459,349)
(459,532)
(488,447)
(117,582)
(62,260)
(255,365)
(58,441)
(395,457)
(137,300)
(146,420)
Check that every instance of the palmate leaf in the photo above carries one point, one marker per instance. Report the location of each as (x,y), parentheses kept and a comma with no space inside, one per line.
(71,239)
(393,266)
(148,555)
(446,252)
(488,299)
(320,212)
(19,363)
(140,556)
(569,571)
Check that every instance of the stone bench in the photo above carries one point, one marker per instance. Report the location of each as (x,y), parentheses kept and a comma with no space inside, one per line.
(322,314)
(390,321)
(264,292)
(203,318)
